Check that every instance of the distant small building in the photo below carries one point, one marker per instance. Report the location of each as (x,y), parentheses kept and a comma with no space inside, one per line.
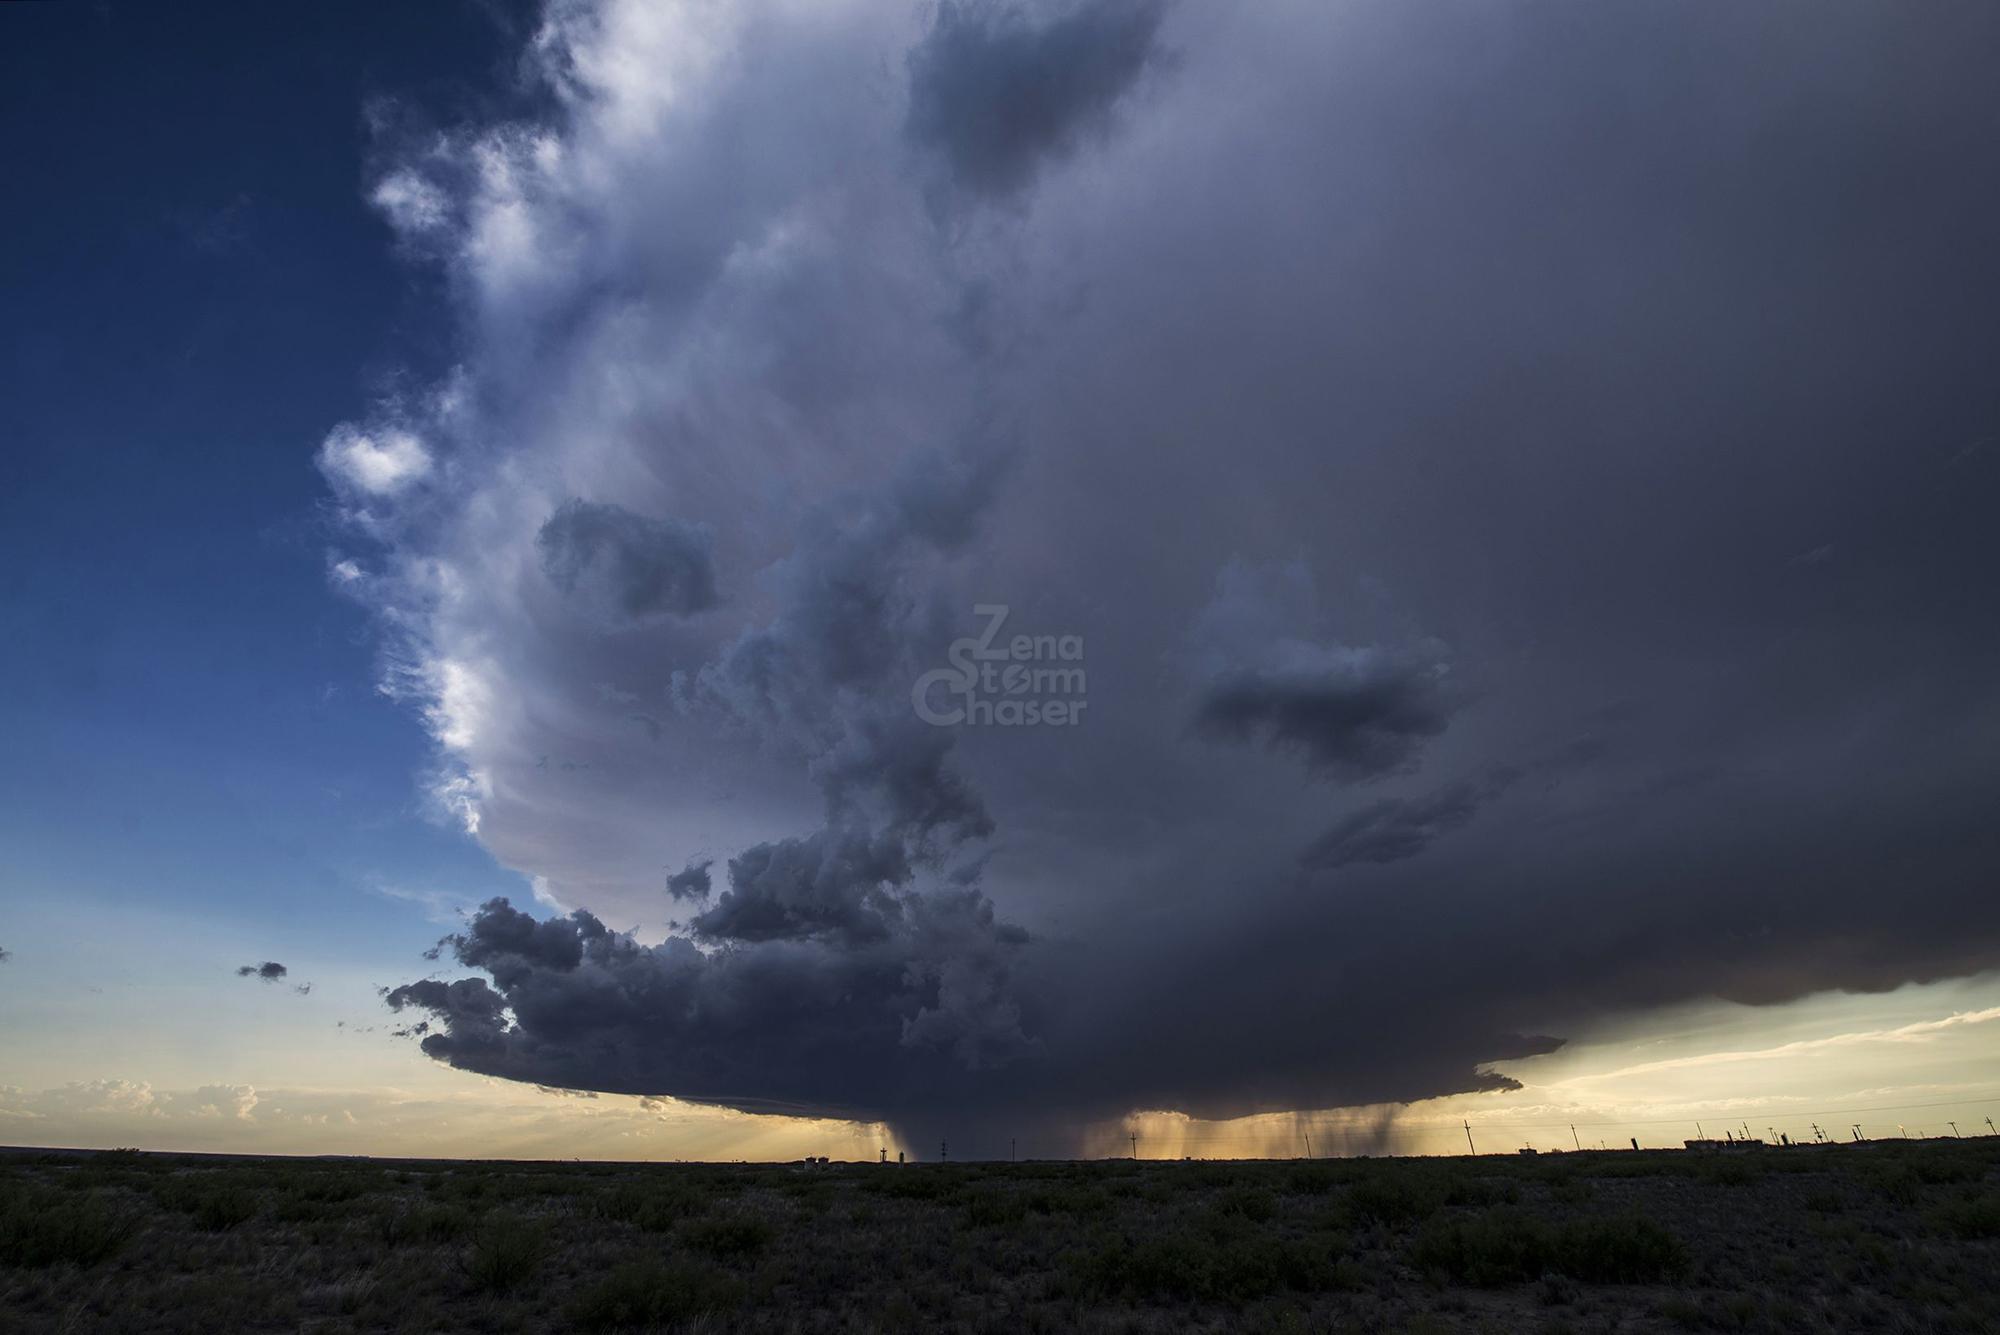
(1731,1146)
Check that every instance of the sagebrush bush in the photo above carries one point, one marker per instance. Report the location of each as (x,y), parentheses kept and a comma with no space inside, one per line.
(1394,1198)
(995,1208)
(1315,1180)
(1940,1169)
(1626,1249)
(738,1235)
(332,1188)
(212,1203)
(1183,1267)
(926,1182)
(1972,1217)
(646,1294)
(1252,1203)
(1502,1247)
(1486,1250)
(505,1253)
(43,1229)
(1570,1189)
(652,1208)
(424,1225)
(1737,1171)
(1479,1192)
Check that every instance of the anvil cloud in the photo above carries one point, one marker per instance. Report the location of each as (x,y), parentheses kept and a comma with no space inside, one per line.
(1522,476)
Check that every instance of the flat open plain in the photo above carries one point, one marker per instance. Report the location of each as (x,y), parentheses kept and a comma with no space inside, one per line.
(1886,1236)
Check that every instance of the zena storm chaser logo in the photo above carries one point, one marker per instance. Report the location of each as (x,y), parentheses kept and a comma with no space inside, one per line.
(1025,681)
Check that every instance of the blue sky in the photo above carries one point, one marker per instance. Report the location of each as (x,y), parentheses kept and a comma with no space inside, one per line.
(195,286)
(1518,487)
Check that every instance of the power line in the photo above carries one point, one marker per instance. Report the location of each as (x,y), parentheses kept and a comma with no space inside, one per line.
(1787,1113)
(1407,1128)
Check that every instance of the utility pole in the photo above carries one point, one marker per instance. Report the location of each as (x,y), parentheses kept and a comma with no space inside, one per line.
(1469,1147)
(1989,1126)
(1954,1131)
(1309,1144)
(1010,1149)
(944,1150)
(1572,1136)
(1135,1144)
(885,1154)
(1857,1133)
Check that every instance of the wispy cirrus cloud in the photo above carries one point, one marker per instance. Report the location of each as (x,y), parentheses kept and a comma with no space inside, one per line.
(1920,1031)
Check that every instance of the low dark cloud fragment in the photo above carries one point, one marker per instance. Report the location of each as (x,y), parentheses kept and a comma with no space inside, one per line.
(691,881)
(475,1013)
(1397,828)
(623,568)
(1361,716)
(995,90)
(862,1027)
(270,971)
(511,945)
(833,884)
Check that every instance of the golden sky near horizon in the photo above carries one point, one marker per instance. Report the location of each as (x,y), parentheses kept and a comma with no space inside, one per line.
(1910,1060)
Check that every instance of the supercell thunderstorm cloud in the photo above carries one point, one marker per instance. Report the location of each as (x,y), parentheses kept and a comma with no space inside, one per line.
(1512,516)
